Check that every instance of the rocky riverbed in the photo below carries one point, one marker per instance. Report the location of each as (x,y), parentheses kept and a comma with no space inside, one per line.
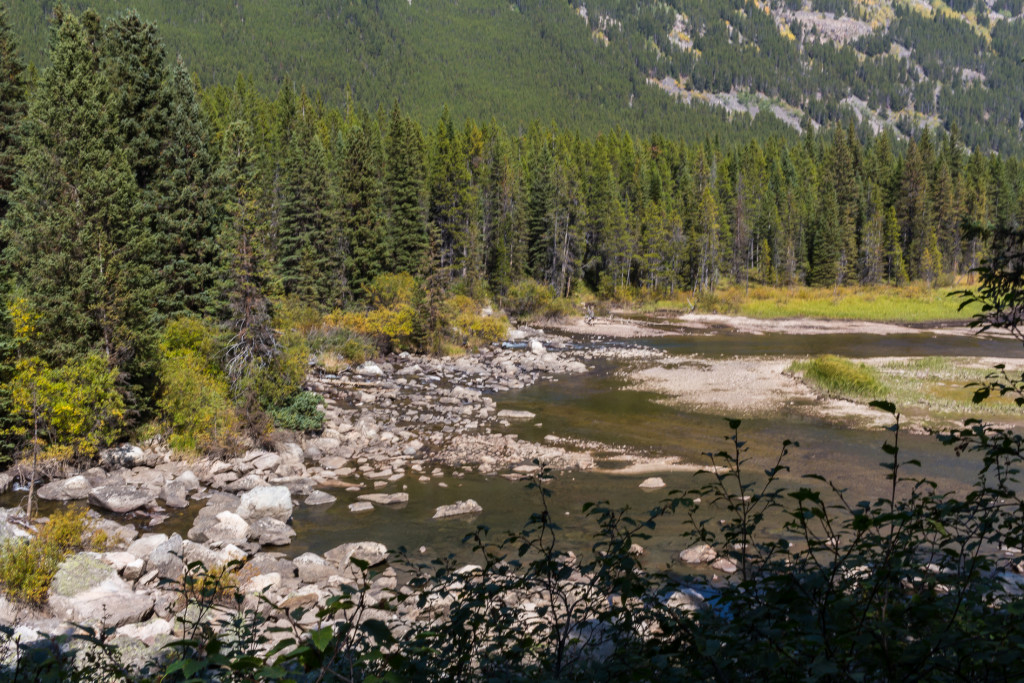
(385,421)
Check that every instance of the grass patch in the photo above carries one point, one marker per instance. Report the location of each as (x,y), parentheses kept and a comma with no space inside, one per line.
(27,567)
(939,386)
(841,378)
(915,303)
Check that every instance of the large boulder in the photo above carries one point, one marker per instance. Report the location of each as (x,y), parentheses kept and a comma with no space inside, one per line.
(142,547)
(86,589)
(168,559)
(127,456)
(270,531)
(266,501)
(230,528)
(197,552)
(175,494)
(370,552)
(75,488)
(314,569)
(121,498)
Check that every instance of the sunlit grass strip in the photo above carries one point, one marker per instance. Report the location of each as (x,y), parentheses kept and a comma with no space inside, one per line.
(841,378)
(912,304)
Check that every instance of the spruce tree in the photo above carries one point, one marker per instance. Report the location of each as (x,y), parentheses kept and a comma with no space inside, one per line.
(362,204)
(189,205)
(76,245)
(405,193)
(12,111)
(306,241)
(826,244)
(449,187)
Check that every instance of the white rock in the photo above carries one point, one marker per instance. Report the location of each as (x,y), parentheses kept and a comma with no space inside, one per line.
(652,483)
(725,565)
(370,369)
(516,415)
(698,554)
(462,507)
(385,498)
(87,590)
(147,632)
(367,551)
(266,501)
(361,506)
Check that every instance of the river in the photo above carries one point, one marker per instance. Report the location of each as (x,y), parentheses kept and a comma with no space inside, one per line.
(600,407)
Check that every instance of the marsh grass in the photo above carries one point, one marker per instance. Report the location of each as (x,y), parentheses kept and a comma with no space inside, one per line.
(943,386)
(841,378)
(936,388)
(911,304)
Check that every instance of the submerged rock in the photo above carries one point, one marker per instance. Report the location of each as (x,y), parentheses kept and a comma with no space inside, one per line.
(701,553)
(462,507)
(516,415)
(385,498)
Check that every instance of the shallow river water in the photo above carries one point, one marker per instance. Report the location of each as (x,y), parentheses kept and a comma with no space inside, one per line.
(599,407)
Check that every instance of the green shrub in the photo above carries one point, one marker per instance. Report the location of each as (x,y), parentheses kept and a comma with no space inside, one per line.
(28,567)
(841,377)
(527,298)
(391,289)
(302,413)
(196,402)
(195,398)
(79,405)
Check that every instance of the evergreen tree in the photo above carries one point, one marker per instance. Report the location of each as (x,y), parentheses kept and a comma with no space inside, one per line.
(895,267)
(362,204)
(308,257)
(188,211)
(706,243)
(405,193)
(826,244)
(78,263)
(12,111)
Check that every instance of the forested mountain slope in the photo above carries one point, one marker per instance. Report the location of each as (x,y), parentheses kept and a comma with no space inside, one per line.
(520,62)
(591,65)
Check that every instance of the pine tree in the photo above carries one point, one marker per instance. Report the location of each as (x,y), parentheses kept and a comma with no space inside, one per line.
(188,210)
(826,244)
(405,193)
(449,187)
(706,243)
(254,347)
(12,111)
(307,242)
(362,204)
(915,215)
(78,263)
(895,268)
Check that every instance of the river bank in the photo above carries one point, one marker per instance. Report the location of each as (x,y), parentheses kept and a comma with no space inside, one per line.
(395,429)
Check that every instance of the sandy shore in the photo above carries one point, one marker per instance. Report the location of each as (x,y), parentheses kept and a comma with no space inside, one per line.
(745,387)
(706,323)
